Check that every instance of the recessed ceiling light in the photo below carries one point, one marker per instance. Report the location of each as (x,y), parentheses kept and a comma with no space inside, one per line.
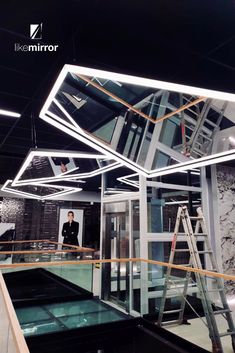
(9,113)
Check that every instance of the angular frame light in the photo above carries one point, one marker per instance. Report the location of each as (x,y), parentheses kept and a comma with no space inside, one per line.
(196,163)
(66,190)
(126,180)
(75,131)
(67,176)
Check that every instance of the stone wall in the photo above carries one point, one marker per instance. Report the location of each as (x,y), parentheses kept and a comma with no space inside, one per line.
(226,207)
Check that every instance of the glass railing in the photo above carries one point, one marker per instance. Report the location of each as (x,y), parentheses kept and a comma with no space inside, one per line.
(136,286)
(57,258)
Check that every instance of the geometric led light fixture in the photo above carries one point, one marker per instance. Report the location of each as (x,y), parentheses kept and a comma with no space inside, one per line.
(38,191)
(105,111)
(128,179)
(196,163)
(47,166)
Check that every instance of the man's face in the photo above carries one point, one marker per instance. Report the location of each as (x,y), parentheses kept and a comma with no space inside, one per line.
(70,217)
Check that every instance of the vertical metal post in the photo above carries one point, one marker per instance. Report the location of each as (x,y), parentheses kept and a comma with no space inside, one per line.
(144,246)
(131,264)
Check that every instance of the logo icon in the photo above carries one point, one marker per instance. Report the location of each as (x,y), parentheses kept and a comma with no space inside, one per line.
(36,31)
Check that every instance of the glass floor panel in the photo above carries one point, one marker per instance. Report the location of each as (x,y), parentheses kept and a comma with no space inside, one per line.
(90,319)
(76,307)
(41,327)
(42,319)
(28,315)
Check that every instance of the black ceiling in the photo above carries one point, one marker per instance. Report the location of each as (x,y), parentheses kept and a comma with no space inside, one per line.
(191,42)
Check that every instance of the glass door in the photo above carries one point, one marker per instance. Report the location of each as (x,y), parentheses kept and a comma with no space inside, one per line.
(115,276)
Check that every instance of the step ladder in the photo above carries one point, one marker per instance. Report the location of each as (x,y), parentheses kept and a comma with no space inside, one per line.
(193,228)
(208,123)
(200,123)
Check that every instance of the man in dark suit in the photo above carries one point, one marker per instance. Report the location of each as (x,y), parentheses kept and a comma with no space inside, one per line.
(70,230)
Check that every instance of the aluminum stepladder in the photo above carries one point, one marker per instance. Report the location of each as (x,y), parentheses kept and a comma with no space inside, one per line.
(211,311)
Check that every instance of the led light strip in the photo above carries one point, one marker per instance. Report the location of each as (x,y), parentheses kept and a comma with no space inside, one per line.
(125,179)
(73,177)
(181,202)
(9,113)
(66,190)
(47,153)
(196,163)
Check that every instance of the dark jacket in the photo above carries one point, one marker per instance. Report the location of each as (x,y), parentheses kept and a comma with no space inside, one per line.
(70,233)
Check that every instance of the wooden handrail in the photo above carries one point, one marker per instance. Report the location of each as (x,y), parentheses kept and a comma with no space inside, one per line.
(17,334)
(139,112)
(160,263)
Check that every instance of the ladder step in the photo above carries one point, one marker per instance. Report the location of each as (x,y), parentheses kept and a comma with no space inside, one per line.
(198,143)
(197,151)
(172,311)
(222,311)
(177,280)
(227,333)
(205,252)
(202,234)
(196,218)
(210,122)
(181,250)
(189,127)
(205,137)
